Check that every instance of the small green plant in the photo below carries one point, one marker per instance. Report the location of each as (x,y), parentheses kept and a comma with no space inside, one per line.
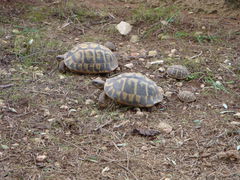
(215,84)
(195,75)
(205,38)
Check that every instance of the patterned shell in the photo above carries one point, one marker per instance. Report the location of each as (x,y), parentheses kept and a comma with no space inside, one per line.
(90,58)
(186,96)
(133,89)
(178,71)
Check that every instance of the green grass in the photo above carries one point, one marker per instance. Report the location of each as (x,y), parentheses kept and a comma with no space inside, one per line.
(198,37)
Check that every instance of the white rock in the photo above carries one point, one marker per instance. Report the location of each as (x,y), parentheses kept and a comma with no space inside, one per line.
(161,69)
(141,59)
(202,86)
(152,53)
(179,84)
(46,112)
(139,113)
(2,104)
(237,115)
(168,93)
(41,158)
(157,62)
(64,107)
(235,123)
(129,65)
(61,77)
(164,22)
(12,70)
(124,28)
(134,39)
(173,51)
(89,101)
(165,127)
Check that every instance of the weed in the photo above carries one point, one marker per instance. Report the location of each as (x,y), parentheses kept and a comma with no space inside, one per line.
(195,75)
(197,36)
(205,38)
(215,84)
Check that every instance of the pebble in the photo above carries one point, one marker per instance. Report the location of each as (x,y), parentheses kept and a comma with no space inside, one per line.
(179,84)
(89,101)
(162,69)
(165,127)
(152,53)
(164,22)
(41,158)
(237,115)
(46,112)
(129,65)
(144,148)
(110,45)
(202,86)
(168,94)
(134,39)
(64,107)
(235,123)
(173,51)
(124,28)
(141,59)
(134,54)
(12,70)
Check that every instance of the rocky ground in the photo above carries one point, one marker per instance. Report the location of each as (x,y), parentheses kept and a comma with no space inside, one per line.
(51,126)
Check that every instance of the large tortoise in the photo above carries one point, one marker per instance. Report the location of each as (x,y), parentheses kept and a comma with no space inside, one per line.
(88,57)
(133,89)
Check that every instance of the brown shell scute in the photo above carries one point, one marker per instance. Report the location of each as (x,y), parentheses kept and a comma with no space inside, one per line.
(90,58)
(186,96)
(178,72)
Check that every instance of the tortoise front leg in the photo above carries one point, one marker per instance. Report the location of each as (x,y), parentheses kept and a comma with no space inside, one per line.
(102,100)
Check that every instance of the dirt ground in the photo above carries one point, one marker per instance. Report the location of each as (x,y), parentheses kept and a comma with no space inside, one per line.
(51,127)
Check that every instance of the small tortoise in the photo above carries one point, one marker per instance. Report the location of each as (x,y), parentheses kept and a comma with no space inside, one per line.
(133,89)
(186,96)
(178,72)
(88,57)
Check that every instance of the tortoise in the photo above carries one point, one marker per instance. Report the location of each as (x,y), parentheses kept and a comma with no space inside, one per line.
(186,96)
(178,72)
(88,57)
(132,89)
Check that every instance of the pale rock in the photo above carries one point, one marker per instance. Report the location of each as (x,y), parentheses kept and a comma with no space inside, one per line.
(124,28)
(139,113)
(237,115)
(134,54)
(141,59)
(41,158)
(219,77)
(165,127)
(93,113)
(157,62)
(202,85)
(51,120)
(129,65)
(152,53)
(170,55)
(2,104)
(198,33)
(39,73)
(12,70)
(168,94)
(47,89)
(89,101)
(173,51)
(164,22)
(235,123)
(46,112)
(15,31)
(152,76)
(61,76)
(144,148)
(134,39)
(64,107)
(162,69)
(179,84)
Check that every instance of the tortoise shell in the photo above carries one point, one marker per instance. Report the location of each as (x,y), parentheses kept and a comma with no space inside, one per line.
(178,71)
(133,89)
(90,58)
(186,96)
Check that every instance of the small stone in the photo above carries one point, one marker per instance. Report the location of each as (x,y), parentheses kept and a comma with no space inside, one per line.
(64,107)
(46,113)
(134,39)
(157,62)
(165,127)
(219,77)
(15,145)
(237,115)
(198,33)
(141,59)
(129,65)
(144,148)
(162,69)
(41,158)
(12,70)
(110,45)
(15,31)
(51,120)
(134,54)
(72,110)
(47,89)
(164,22)
(179,84)
(152,53)
(203,27)
(61,76)
(89,101)
(139,113)
(170,55)
(202,85)
(76,39)
(235,123)
(124,28)
(93,113)
(164,37)
(168,94)
(2,104)
(39,73)
(173,51)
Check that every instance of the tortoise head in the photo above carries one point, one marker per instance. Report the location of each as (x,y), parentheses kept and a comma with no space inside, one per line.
(60,57)
(98,82)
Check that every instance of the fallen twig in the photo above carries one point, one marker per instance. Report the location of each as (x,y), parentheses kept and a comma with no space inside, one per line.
(6,86)
(193,57)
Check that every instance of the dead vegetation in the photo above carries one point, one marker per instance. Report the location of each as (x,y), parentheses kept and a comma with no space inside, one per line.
(51,126)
